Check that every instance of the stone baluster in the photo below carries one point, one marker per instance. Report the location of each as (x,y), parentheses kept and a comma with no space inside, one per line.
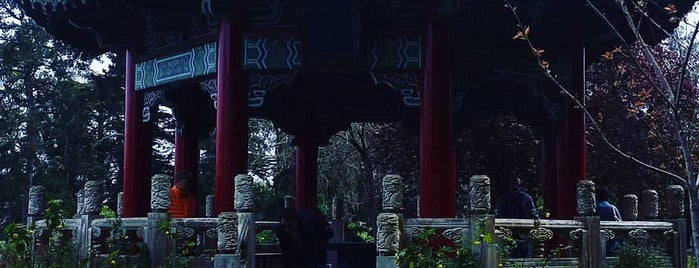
(338,226)
(289,201)
(649,205)
(227,255)
(629,207)
(120,204)
(479,210)
(91,207)
(388,223)
(392,186)
(244,204)
(675,198)
(210,203)
(160,193)
(93,198)
(591,235)
(160,243)
(387,239)
(80,201)
(586,204)
(675,201)
(36,204)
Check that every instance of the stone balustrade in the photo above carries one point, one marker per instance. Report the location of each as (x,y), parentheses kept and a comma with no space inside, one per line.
(230,237)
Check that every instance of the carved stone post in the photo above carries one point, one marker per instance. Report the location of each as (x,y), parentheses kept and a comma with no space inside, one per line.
(160,244)
(244,205)
(675,198)
(160,193)
(227,255)
(91,207)
(338,225)
(629,207)
(479,208)
(36,204)
(392,186)
(592,240)
(649,205)
(387,239)
(586,198)
(210,202)
(389,223)
(479,194)
(120,204)
(675,201)
(93,198)
(289,201)
(80,202)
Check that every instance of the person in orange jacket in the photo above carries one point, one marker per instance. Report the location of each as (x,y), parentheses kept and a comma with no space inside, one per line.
(183,198)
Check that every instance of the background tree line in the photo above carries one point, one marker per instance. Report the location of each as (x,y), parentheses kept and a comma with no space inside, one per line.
(62,125)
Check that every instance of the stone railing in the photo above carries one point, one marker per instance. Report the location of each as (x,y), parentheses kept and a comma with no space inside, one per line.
(583,238)
(226,241)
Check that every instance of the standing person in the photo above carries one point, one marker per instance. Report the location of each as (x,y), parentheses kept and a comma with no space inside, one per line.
(517,204)
(183,198)
(303,237)
(607,212)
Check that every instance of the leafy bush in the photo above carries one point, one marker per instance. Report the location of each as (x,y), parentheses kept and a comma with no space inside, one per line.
(56,251)
(266,237)
(428,250)
(632,255)
(361,231)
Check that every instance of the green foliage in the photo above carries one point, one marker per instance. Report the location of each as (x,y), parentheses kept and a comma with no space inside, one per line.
(15,246)
(60,251)
(119,245)
(426,251)
(633,255)
(266,237)
(107,212)
(691,261)
(55,251)
(361,230)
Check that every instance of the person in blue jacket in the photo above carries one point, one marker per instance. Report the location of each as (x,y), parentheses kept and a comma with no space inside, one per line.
(607,212)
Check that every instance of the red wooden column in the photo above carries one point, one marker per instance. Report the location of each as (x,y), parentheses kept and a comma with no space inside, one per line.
(231,114)
(550,163)
(437,180)
(138,139)
(186,146)
(571,152)
(307,165)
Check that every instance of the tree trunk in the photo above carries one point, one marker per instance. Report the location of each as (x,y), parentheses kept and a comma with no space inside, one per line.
(694,218)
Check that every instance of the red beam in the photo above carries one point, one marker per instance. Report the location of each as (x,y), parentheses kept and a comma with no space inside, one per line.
(231,115)
(437,180)
(137,148)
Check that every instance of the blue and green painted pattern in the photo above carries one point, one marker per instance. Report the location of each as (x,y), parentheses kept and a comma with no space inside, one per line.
(272,54)
(195,62)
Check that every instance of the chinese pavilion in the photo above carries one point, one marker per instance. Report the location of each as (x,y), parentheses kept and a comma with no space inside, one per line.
(315,66)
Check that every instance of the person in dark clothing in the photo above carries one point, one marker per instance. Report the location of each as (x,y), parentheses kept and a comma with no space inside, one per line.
(303,237)
(607,212)
(517,204)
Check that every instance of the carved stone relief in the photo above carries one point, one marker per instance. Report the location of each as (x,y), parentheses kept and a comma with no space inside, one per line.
(160,192)
(392,186)
(244,195)
(479,194)
(388,234)
(586,198)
